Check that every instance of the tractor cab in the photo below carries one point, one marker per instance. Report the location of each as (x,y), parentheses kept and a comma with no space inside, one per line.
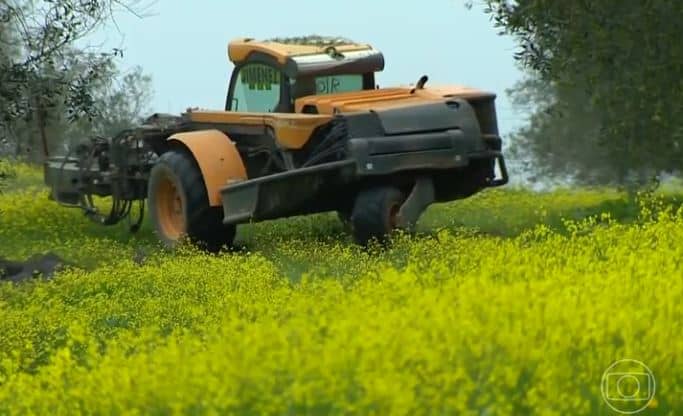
(270,76)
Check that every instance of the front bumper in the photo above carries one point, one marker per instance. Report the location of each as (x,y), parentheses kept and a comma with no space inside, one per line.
(450,149)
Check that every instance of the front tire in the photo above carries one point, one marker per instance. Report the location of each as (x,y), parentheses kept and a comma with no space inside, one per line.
(375,213)
(179,204)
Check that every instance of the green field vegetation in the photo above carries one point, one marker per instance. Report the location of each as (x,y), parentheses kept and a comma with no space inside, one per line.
(510,302)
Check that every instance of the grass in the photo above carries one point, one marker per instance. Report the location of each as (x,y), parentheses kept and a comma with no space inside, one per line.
(510,302)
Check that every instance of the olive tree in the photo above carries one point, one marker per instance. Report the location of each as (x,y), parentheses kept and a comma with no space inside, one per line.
(614,70)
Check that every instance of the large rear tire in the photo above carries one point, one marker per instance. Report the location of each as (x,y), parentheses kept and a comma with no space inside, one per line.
(375,213)
(179,204)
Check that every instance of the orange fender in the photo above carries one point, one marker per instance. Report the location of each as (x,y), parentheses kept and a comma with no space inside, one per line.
(217,157)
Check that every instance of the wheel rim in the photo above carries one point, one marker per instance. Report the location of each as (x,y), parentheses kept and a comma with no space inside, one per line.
(169,206)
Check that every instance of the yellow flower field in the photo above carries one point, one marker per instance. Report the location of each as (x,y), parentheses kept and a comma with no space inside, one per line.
(508,303)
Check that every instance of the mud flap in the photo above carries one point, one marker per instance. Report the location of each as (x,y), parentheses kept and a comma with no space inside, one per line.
(421,196)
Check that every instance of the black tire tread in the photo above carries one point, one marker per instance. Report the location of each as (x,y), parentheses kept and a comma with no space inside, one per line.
(204,223)
(370,218)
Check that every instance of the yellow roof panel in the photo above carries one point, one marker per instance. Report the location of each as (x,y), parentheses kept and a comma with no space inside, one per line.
(240,49)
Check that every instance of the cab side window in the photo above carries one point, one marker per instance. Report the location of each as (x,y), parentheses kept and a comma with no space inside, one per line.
(330,84)
(257,89)
(338,83)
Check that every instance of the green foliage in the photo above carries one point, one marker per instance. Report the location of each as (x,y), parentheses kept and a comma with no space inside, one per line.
(623,61)
(7,172)
(19,176)
(39,33)
(122,104)
(120,100)
(561,140)
(45,80)
(519,321)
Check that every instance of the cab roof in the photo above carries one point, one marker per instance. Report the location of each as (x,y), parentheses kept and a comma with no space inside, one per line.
(240,49)
(298,56)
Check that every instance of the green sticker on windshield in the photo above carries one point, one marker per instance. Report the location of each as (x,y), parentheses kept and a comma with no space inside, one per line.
(260,77)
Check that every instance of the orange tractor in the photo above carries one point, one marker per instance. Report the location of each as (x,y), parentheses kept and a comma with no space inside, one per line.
(305,129)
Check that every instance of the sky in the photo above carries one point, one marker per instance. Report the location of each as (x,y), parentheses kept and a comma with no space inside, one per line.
(183,44)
